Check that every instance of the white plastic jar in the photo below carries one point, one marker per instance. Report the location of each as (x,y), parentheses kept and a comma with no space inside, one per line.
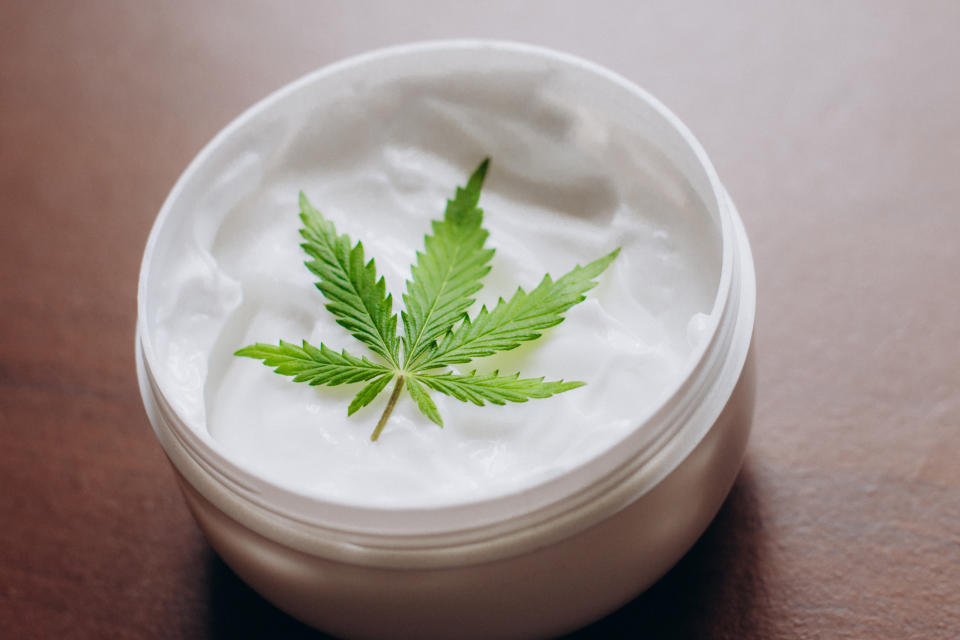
(538,561)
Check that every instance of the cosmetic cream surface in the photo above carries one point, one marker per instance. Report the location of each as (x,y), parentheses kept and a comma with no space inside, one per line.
(566,186)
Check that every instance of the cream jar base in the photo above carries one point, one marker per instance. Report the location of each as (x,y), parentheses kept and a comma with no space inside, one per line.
(532,563)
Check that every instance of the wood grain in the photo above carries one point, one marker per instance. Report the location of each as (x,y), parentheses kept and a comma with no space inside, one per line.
(835,126)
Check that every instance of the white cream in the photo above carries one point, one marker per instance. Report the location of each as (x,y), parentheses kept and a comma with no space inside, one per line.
(567,185)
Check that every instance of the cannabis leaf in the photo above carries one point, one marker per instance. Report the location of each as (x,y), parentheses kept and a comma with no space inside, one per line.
(437,330)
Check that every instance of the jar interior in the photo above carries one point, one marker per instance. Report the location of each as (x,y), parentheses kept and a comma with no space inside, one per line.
(582,163)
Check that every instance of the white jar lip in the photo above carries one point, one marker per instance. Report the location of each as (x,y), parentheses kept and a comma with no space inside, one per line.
(311,511)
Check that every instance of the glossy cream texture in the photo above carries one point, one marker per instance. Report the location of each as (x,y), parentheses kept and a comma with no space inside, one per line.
(566,185)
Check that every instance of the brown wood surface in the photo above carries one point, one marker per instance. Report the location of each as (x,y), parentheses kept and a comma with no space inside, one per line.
(836,128)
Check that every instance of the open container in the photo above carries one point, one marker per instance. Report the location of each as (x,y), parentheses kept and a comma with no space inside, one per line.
(535,562)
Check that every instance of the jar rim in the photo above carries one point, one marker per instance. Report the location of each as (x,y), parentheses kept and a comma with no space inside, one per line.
(495,513)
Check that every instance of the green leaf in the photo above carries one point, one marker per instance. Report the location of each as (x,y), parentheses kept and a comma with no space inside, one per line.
(314,365)
(519,320)
(424,401)
(448,273)
(493,387)
(368,393)
(441,289)
(354,294)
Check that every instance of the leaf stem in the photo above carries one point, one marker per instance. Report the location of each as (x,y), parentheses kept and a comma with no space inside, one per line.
(388,410)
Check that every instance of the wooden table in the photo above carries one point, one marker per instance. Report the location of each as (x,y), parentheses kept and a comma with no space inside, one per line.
(835,126)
